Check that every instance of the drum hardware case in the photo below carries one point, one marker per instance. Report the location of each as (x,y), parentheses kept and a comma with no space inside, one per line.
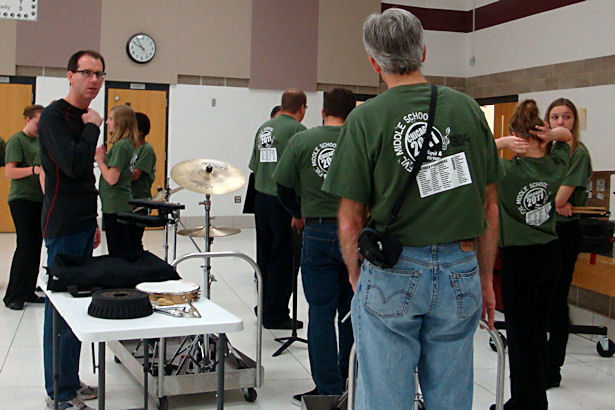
(237,376)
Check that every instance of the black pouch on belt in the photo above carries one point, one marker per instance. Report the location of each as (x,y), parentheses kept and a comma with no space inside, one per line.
(379,247)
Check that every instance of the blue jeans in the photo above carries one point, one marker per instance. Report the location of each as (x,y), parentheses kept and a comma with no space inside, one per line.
(421,313)
(69,346)
(328,291)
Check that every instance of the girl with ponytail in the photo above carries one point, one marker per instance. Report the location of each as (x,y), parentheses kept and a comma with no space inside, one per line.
(529,247)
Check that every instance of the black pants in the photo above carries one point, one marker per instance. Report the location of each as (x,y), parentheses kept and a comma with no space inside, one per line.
(569,234)
(274,256)
(122,239)
(529,275)
(26,259)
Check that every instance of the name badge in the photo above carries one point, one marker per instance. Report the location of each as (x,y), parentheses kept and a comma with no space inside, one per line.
(269,155)
(443,175)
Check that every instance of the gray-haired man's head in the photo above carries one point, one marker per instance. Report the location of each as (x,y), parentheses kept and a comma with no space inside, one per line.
(394,39)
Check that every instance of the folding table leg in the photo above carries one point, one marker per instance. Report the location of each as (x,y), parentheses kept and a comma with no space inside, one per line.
(145,372)
(101,375)
(221,351)
(56,358)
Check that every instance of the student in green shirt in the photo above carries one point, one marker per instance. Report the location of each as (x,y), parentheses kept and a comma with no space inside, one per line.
(25,202)
(301,171)
(572,192)
(143,168)
(530,256)
(115,180)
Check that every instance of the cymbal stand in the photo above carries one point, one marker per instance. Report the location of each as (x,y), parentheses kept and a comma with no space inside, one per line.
(207,266)
(174,218)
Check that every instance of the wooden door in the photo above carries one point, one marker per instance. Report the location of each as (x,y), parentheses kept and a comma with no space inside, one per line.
(153,103)
(13,99)
(502,113)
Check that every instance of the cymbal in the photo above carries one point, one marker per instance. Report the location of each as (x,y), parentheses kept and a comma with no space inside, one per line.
(160,194)
(208,176)
(214,231)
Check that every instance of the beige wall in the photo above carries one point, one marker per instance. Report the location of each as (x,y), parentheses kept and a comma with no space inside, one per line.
(63,27)
(120,19)
(214,38)
(193,37)
(341,56)
(8,42)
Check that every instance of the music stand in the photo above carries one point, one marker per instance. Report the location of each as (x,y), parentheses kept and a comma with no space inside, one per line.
(289,340)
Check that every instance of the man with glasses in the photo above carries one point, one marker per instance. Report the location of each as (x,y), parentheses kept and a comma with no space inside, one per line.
(68,135)
(274,243)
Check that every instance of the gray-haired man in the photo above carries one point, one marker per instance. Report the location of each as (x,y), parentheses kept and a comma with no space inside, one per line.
(424,311)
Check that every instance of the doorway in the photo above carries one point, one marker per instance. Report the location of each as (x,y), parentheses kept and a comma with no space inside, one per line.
(15,95)
(152,100)
(498,111)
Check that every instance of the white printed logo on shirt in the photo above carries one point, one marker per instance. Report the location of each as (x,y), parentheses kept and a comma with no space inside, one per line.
(321,158)
(533,202)
(267,153)
(408,140)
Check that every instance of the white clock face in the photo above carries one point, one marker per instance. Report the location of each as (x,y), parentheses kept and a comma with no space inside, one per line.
(141,48)
(19,9)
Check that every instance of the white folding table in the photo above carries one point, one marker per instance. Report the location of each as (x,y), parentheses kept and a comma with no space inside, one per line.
(88,329)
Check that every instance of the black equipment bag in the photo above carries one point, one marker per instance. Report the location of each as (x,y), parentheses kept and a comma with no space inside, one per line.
(81,274)
(596,235)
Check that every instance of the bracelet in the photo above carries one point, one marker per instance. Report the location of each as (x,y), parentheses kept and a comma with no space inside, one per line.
(32,169)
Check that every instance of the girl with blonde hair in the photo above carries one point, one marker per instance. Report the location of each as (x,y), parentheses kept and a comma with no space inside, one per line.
(115,180)
(572,192)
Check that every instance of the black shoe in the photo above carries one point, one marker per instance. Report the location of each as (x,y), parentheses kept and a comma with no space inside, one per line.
(507,406)
(35,299)
(283,325)
(553,381)
(15,305)
(255,311)
(296,400)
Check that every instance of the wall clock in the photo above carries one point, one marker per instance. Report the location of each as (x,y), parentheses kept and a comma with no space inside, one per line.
(19,9)
(141,48)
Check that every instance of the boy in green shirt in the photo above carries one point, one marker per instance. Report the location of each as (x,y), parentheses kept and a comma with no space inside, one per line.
(302,170)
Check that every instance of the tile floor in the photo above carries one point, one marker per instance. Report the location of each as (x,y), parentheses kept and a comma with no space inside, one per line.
(589,380)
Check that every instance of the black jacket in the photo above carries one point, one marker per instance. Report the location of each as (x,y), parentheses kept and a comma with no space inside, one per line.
(67,157)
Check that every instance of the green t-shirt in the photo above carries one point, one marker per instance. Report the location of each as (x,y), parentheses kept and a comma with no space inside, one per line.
(144,159)
(578,176)
(24,151)
(304,167)
(269,144)
(526,197)
(115,198)
(376,152)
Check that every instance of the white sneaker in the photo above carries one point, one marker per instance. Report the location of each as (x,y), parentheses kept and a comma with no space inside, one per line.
(87,392)
(75,403)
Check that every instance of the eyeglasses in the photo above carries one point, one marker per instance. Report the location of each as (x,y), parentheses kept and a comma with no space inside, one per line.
(89,73)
